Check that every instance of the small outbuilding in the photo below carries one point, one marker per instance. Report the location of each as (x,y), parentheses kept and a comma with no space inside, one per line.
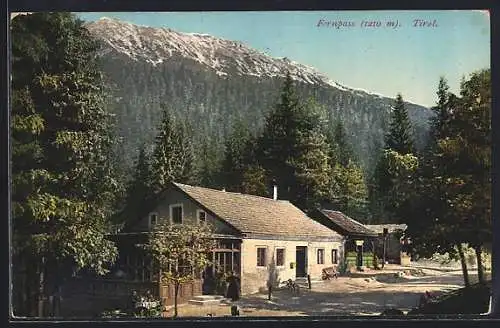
(391,236)
(359,240)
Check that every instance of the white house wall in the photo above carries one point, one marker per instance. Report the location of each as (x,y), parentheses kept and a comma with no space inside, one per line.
(189,209)
(255,278)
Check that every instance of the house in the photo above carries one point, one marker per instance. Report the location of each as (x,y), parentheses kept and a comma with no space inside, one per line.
(358,239)
(392,233)
(259,239)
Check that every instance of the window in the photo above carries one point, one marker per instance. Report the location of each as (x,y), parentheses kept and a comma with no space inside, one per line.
(202,216)
(176,213)
(321,256)
(280,257)
(261,256)
(335,256)
(153,219)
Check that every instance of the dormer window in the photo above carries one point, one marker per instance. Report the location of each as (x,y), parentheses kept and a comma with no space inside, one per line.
(201,216)
(153,219)
(176,213)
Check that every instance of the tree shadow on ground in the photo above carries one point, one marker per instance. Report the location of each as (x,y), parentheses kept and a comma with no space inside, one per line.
(317,303)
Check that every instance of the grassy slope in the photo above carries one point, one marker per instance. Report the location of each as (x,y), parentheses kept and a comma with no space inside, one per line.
(467,300)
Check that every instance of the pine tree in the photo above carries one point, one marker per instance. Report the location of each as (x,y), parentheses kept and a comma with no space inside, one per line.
(344,150)
(277,143)
(186,168)
(469,167)
(235,162)
(172,158)
(400,137)
(293,150)
(347,188)
(139,189)
(429,211)
(453,204)
(208,160)
(348,191)
(394,166)
(254,181)
(63,184)
(312,171)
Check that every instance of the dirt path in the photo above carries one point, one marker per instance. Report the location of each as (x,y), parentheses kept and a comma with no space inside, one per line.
(360,294)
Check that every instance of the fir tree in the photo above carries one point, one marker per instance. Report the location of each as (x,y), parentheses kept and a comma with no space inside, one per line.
(347,191)
(235,162)
(468,149)
(400,137)
(344,150)
(254,181)
(186,169)
(172,158)
(387,175)
(293,150)
(63,184)
(453,204)
(139,188)
(277,143)
(208,160)
(312,171)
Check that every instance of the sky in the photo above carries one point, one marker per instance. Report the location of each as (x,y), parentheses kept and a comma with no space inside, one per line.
(359,49)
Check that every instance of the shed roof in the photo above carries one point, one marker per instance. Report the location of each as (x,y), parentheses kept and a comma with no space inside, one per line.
(347,225)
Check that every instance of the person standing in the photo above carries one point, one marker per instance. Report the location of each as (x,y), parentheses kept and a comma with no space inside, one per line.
(233,288)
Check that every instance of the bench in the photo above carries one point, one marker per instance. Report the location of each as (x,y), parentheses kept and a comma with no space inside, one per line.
(330,272)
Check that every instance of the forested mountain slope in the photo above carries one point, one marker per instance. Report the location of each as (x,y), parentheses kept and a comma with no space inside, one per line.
(209,83)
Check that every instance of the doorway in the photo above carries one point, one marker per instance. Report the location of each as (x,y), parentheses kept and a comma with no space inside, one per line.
(301,261)
(359,256)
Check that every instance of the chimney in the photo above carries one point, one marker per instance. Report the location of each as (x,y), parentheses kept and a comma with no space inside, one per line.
(275,192)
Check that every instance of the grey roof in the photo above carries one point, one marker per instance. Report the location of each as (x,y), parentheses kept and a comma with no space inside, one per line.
(258,215)
(346,224)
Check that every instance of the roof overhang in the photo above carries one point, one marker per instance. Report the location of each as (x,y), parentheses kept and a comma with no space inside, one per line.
(262,236)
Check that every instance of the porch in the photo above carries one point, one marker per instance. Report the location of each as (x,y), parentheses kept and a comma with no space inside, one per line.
(359,252)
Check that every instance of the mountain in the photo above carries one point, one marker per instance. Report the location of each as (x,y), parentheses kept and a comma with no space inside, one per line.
(209,83)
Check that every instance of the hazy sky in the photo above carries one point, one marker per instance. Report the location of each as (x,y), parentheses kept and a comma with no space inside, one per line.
(386,60)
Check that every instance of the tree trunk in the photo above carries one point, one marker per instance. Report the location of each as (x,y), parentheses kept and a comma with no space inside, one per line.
(480,271)
(32,286)
(160,290)
(384,251)
(464,265)
(41,288)
(176,292)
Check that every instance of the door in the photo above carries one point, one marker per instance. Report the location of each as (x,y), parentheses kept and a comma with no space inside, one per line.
(301,261)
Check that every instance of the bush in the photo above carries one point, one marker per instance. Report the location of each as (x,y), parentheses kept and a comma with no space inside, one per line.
(118,313)
(155,312)
(133,311)
(342,268)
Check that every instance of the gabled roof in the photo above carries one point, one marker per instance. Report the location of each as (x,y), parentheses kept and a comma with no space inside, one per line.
(254,215)
(379,228)
(343,224)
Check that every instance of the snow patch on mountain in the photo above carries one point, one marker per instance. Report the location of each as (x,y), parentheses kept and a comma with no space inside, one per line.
(225,57)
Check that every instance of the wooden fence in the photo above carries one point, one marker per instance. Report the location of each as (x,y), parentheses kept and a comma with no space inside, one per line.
(91,298)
